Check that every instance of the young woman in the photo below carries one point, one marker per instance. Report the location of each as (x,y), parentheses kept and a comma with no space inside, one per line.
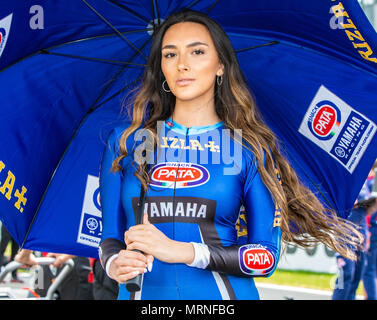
(210,154)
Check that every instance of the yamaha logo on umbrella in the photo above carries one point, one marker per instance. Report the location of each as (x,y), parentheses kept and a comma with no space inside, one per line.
(337,128)
(90,229)
(324,120)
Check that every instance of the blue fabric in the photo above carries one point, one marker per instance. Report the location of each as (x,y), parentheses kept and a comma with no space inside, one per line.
(45,99)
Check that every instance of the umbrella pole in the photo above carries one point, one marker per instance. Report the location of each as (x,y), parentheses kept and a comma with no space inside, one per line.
(134,284)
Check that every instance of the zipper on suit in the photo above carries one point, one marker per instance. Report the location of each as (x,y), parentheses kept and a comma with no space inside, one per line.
(176,177)
(175,182)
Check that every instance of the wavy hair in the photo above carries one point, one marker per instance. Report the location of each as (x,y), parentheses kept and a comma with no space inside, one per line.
(304,220)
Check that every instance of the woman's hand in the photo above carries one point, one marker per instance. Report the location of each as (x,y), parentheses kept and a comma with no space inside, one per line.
(148,239)
(26,257)
(60,258)
(128,265)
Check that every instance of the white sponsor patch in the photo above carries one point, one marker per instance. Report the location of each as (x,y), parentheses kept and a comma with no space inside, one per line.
(337,128)
(90,229)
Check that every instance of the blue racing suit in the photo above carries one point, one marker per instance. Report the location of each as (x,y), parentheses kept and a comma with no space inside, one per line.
(200,178)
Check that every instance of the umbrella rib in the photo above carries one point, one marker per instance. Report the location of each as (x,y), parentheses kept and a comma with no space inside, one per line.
(112,27)
(65,43)
(192,4)
(91,109)
(157,12)
(153,16)
(189,6)
(114,95)
(117,75)
(258,46)
(43,51)
(122,6)
(212,6)
(98,36)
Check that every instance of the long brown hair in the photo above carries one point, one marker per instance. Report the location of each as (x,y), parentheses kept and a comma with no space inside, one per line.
(304,220)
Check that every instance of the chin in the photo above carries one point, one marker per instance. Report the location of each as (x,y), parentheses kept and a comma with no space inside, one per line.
(187,94)
(186,97)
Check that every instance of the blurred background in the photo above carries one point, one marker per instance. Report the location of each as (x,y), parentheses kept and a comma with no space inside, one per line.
(370,9)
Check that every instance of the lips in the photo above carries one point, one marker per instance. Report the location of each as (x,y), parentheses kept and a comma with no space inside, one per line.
(184,81)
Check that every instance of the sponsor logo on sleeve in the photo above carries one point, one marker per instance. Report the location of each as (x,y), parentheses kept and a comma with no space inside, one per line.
(255,260)
(4,32)
(90,229)
(182,175)
(337,128)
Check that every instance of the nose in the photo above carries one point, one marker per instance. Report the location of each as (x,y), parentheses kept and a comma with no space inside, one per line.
(182,64)
(182,67)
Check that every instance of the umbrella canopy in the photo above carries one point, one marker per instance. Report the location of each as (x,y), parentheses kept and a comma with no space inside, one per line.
(65,67)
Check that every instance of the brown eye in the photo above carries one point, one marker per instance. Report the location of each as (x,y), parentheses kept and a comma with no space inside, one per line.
(198,51)
(169,55)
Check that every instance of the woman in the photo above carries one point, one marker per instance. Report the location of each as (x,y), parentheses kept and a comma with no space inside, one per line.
(193,85)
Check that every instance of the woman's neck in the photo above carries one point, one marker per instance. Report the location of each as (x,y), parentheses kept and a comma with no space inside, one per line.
(194,113)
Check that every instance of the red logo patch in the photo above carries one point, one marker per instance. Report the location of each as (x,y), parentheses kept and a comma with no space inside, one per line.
(258,259)
(170,174)
(324,120)
(179,174)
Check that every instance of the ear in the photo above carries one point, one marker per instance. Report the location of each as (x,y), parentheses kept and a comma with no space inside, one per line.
(220,71)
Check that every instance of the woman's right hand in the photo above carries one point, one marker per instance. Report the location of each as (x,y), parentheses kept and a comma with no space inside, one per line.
(128,265)
(26,257)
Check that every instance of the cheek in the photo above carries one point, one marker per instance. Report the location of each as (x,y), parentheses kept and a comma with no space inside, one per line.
(168,69)
(204,65)
(205,70)
(163,69)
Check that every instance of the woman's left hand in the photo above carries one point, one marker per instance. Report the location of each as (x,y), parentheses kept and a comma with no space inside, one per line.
(150,240)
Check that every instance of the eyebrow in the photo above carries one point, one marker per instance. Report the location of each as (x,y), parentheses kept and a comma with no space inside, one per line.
(193,44)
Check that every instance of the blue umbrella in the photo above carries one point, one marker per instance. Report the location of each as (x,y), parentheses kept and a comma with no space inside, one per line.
(66,65)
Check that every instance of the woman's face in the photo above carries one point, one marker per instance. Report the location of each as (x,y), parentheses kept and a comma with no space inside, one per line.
(189,61)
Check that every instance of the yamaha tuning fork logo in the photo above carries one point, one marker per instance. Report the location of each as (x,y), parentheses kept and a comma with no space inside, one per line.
(337,128)
(4,32)
(90,229)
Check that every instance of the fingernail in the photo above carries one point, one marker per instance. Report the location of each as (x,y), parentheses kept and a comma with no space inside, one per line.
(150,265)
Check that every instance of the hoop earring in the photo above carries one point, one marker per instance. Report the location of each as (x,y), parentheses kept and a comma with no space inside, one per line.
(163,87)
(219,80)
